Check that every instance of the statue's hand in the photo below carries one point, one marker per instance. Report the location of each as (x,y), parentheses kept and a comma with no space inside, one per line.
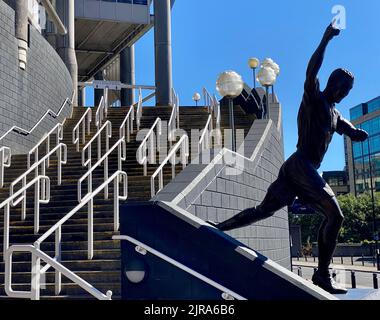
(359,135)
(331,32)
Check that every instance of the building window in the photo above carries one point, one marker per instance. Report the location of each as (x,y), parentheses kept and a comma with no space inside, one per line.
(356,112)
(373,105)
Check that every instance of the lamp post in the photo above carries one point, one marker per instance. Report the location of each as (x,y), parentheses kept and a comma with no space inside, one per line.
(267,77)
(253,64)
(268,62)
(375,234)
(196,98)
(230,85)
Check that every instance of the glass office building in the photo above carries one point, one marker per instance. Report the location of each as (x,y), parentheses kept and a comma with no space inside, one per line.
(363,158)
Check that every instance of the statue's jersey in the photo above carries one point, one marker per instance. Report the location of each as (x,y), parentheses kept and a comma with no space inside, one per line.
(317,122)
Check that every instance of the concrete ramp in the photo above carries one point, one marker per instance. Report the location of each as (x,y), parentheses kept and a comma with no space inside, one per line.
(195,244)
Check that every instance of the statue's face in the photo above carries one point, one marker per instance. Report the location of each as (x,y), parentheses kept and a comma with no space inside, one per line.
(342,90)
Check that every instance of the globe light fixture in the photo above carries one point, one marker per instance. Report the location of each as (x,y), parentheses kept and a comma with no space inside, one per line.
(230,85)
(268,62)
(135,271)
(196,98)
(267,77)
(253,63)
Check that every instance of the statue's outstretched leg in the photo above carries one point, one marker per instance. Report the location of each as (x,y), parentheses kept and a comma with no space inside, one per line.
(267,208)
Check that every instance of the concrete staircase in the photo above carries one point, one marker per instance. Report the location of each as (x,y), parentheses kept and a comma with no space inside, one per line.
(104,271)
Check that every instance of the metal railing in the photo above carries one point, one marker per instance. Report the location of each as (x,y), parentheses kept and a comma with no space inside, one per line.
(116,178)
(102,111)
(5,162)
(139,110)
(58,131)
(126,127)
(183,146)
(85,122)
(143,152)
(120,145)
(173,124)
(39,256)
(142,248)
(49,112)
(207,99)
(107,128)
(216,112)
(14,200)
(204,141)
(61,151)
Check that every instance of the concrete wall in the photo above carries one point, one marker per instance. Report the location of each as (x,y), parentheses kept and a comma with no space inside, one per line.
(112,11)
(211,193)
(26,95)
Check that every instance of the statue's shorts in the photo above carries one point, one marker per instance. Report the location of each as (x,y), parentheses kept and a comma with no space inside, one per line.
(299,178)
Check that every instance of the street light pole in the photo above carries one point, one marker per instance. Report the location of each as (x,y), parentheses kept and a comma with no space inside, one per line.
(230,85)
(373,208)
(253,64)
(232,122)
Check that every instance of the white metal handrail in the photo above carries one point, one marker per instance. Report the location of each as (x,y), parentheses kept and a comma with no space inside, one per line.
(48,112)
(85,121)
(142,156)
(126,127)
(5,162)
(61,151)
(173,124)
(142,248)
(107,128)
(102,111)
(139,110)
(120,145)
(38,199)
(116,178)
(58,130)
(216,111)
(208,99)
(183,146)
(38,257)
(204,141)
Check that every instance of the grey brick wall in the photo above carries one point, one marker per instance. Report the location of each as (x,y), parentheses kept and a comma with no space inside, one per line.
(211,193)
(26,95)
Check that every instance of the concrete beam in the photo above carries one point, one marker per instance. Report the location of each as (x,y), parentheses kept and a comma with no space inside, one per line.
(21,28)
(66,43)
(127,74)
(163,52)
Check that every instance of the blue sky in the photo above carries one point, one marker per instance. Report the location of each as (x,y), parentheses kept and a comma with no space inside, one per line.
(210,36)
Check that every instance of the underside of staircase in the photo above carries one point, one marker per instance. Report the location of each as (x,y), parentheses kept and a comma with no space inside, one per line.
(104,270)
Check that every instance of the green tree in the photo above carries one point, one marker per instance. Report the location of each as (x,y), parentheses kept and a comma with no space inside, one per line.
(357,226)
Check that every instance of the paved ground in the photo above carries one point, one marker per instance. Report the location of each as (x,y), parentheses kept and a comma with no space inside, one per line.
(363,275)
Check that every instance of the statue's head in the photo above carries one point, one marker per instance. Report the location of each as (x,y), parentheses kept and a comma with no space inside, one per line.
(339,85)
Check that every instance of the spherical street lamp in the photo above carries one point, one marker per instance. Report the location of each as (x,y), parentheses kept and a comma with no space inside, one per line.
(268,62)
(253,64)
(230,85)
(196,98)
(266,77)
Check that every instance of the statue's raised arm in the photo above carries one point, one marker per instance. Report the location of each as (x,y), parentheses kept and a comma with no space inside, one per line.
(316,60)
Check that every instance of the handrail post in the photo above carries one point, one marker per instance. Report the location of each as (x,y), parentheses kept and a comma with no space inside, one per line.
(90,230)
(6,229)
(36,276)
(23,203)
(116,203)
(48,150)
(37,193)
(59,164)
(58,256)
